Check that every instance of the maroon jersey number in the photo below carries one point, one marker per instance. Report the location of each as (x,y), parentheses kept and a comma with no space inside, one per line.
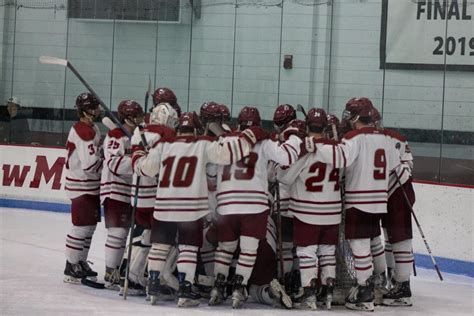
(380,164)
(245,168)
(185,169)
(319,169)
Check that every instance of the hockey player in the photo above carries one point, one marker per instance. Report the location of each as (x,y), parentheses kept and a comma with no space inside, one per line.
(115,189)
(166,95)
(242,207)
(162,124)
(397,222)
(83,168)
(315,202)
(182,197)
(370,156)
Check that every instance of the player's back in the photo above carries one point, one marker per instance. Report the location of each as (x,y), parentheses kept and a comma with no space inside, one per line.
(182,193)
(366,178)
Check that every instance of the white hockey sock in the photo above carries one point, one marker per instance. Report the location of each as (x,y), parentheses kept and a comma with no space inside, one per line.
(207,253)
(362,259)
(327,262)
(247,257)
(402,251)
(87,241)
(115,246)
(378,255)
(388,251)
(75,244)
(223,257)
(308,264)
(187,261)
(138,259)
(157,256)
(287,254)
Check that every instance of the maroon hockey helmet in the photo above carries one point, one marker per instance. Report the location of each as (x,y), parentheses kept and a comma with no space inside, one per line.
(165,95)
(130,112)
(210,112)
(284,114)
(189,123)
(333,120)
(358,108)
(224,112)
(86,101)
(249,116)
(316,118)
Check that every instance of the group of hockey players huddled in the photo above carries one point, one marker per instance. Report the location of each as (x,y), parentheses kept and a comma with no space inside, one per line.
(227,213)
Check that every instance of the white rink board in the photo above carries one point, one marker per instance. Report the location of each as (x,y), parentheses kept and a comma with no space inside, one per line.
(32,263)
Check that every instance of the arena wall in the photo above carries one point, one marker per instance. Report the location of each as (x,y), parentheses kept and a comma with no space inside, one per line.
(34,178)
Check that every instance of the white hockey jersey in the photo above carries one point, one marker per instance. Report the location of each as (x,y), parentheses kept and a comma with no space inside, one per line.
(148,185)
(405,169)
(83,160)
(182,193)
(116,181)
(242,188)
(370,155)
(315,196)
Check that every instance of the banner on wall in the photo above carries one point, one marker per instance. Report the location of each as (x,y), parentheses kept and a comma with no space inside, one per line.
(419,34)
(33,173)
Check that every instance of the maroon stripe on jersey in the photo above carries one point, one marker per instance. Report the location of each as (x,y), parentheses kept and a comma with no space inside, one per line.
(181,210)
(361,257)
(400,252)
(240,191)
(296,152)
(182,198)
(80,249)
(82,190)
(313,202)
(271,234)
(313,213)
(191,251)
(119,183)
(231,154)
(146,196)
(240,148)
(245,265)
(404,261)
(186,261)
(118,164)
(363,268)
(308,267)
(109,246)
(368,202)
(78,180)
(344,157)
(91,166)
(333,155)
(249,254)
(244,203)
(144,186)
(367,191)
(156,259)
(117,193)
(224,251)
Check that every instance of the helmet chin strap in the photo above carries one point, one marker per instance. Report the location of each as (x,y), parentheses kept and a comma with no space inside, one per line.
(90,117)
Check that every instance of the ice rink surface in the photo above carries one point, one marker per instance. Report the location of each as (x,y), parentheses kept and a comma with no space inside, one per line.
(31,272)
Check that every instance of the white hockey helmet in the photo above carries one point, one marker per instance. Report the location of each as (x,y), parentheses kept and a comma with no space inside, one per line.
(164,114)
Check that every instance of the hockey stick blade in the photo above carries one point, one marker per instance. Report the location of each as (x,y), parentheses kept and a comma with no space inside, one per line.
(216,128)
(108,123)
(301,109)
(93,284)
(53,60)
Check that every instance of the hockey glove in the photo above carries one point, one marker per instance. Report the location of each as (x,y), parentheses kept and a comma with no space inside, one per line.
(254,134)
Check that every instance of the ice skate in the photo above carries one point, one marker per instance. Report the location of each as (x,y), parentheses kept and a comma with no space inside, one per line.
(239,293)
(187,296)
(73,273)
(134,289)
(278,294)
(153,287)
(89,273)
(325,294)
(112,279)
(399,295)
(361,298)
(218,292)
(306,297)
(380,287)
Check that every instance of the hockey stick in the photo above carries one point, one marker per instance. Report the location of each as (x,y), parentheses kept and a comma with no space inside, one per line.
(135,202)
(280,233)
(48,60)
(419,227)
(301,109)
